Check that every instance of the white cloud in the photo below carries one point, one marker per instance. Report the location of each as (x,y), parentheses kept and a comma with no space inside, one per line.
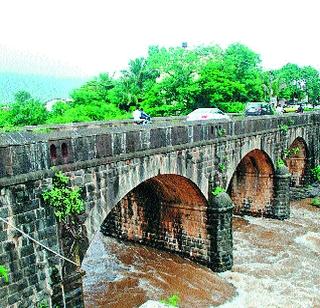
(93,36)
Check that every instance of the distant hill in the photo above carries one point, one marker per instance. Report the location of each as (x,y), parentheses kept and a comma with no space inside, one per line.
(39,86)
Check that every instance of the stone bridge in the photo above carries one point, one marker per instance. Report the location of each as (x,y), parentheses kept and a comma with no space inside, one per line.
(149,184)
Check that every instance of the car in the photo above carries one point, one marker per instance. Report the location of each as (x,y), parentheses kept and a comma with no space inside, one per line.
(258,109)
(207,114)
(290,108)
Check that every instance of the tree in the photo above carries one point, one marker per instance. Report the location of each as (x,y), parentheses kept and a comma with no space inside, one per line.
(236,76)
(243,66)
(27,110)
(94,91)
(311,80)
(22,96)
(291,83)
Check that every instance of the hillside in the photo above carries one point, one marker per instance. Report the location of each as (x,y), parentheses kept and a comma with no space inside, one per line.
(39,86)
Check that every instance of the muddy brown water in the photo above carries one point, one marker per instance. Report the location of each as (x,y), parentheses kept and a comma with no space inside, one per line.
(276,264)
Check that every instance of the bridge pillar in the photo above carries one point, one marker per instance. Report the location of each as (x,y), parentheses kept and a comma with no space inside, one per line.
(281,203)
(220,232)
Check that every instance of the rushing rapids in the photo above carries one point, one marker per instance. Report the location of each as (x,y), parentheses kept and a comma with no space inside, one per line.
(276,264)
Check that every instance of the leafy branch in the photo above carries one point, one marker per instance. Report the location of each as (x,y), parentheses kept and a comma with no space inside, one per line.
(65,201)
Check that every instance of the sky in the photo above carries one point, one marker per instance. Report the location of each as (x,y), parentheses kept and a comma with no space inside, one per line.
(88,37)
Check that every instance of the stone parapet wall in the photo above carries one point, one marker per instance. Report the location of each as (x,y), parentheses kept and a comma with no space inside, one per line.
(22,153)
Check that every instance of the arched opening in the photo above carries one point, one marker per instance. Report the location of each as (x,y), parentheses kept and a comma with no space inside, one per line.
(166,211)
(252,185)
(53,152)
(64,150)
(296,160)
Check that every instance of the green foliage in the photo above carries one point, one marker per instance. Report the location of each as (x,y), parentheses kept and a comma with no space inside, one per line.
(172,300)
(22,97)
(315,202)
(316,173)
(284,128)
(86,113)
(43,304)
(4,117)
(218,190)
(231,107)
(280,163)
(221,132)
(291,151)
(26,111)
(222,167)
(173,81)
(65,201)
(4,273)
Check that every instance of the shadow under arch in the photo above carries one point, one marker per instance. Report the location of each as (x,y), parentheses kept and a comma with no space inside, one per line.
(297,162)
(167,211)
(251,187)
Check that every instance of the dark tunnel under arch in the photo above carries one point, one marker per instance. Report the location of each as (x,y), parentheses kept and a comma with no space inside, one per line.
(252,185)
(167,211)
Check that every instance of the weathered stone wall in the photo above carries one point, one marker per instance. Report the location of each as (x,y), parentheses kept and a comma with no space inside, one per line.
(167,212)
(33,271)
(108,163)
(251,188)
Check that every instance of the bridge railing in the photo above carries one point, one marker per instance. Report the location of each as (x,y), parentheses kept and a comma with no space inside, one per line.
(25,152)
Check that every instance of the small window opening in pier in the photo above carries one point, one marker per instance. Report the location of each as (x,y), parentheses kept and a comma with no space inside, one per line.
(64,150)
(53,151)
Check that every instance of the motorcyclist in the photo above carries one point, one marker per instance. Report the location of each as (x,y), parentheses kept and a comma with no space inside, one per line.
(140,117)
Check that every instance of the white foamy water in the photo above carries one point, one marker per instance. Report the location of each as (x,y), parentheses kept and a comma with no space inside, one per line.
(277,263)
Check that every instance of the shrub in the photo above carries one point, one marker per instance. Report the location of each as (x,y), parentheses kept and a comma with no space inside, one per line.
(4,273)
(31,112)
(315,202)
(173,300)
(221,167)
(65,201)
(316,173)
(218,190)
(280,163)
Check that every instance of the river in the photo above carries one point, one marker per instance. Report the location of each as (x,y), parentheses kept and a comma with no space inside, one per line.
(276,264)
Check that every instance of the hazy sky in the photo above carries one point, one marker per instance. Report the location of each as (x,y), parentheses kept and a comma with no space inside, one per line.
(72,37)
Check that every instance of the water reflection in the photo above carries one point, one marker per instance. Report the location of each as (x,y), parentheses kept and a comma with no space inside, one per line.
(276,264)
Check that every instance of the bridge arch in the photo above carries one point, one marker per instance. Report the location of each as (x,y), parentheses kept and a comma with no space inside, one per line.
(296,160)
(167,211)
(251,187)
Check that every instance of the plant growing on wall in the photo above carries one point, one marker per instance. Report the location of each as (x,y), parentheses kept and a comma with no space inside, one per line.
(316,173)
(290,152)
(172,301)
(4,273)
(218,190)
(280,163)
(315,202)
(221,132)
(222,167)
(284,128)
(66,201)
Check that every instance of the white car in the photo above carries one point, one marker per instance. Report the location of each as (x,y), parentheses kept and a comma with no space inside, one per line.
(207,114)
